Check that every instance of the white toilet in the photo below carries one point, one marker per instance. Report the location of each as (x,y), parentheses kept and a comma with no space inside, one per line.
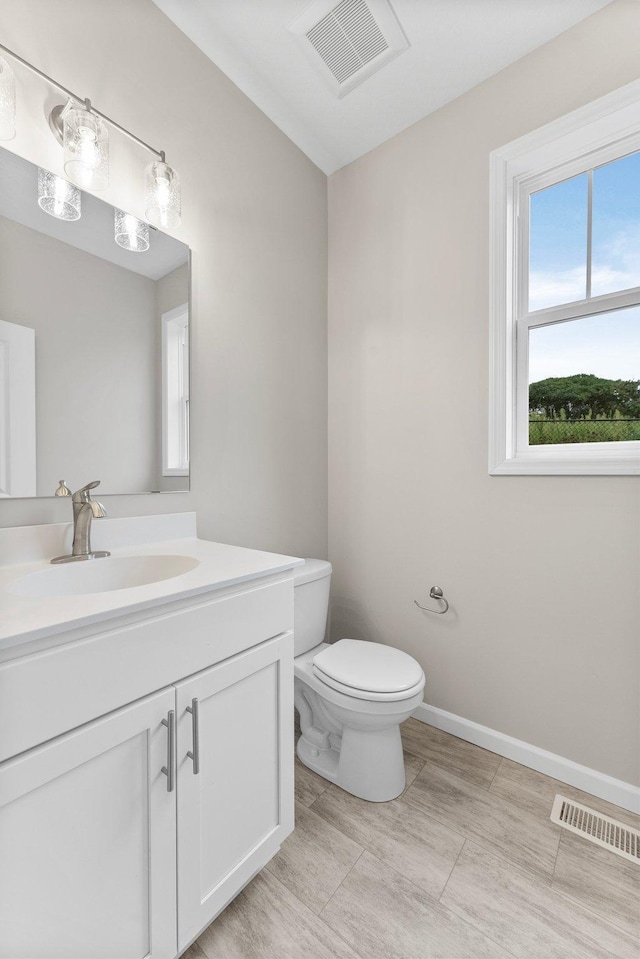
(351,697)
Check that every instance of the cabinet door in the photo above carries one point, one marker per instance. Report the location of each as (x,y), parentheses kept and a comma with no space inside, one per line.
(87,842)
(237,807)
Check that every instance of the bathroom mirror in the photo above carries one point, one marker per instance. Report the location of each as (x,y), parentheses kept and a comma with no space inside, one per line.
(94,348)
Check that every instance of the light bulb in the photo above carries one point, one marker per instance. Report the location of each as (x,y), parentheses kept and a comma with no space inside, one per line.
(162,207)
(86,148)
(163,190)
(88,151)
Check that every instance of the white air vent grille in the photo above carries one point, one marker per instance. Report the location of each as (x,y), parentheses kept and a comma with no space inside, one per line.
(606,832)
(348,38)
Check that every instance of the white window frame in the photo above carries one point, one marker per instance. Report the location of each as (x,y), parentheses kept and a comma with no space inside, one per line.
(598,133)
(17,410)
(175,391)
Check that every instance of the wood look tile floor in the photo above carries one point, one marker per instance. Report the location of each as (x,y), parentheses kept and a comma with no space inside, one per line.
(464,864)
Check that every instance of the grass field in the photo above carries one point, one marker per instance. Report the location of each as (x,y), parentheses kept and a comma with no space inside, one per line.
(583,431)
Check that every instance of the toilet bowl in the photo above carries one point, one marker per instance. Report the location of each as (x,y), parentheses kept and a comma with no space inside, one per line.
(351,697)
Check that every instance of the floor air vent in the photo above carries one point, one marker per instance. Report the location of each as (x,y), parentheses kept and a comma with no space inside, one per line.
(352,38)
(605,832)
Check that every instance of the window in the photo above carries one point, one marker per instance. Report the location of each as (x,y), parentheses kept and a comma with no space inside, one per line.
(175,392)
(565,300)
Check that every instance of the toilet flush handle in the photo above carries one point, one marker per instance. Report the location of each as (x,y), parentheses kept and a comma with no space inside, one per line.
(435,593)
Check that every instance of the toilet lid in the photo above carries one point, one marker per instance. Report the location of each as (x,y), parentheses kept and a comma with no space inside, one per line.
(372,667)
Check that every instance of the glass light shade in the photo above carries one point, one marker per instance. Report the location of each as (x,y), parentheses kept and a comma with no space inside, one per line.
(58,197)
(7,101)
(86,149)
(162,195)
(130,232)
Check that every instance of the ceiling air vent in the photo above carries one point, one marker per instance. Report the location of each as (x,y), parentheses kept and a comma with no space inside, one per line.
(350,40)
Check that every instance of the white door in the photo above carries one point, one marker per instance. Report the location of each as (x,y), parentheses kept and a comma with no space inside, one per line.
(235,777)
(87,842)
(17,410)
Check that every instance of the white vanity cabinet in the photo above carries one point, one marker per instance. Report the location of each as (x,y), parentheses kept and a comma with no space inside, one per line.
(87,842)
(147,766)
(235,790)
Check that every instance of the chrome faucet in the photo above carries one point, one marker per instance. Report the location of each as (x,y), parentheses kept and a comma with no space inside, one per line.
(84,510)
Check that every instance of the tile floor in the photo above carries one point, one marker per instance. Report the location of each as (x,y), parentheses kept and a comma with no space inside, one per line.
(466,863)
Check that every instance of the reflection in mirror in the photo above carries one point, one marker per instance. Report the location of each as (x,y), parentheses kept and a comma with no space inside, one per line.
(94,349)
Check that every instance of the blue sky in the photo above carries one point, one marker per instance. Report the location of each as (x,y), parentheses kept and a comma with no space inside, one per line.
(607,345)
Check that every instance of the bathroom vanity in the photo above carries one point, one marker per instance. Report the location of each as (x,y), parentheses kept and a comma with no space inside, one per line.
(146,735)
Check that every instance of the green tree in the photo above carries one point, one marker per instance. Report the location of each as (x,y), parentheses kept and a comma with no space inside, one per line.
(584,396)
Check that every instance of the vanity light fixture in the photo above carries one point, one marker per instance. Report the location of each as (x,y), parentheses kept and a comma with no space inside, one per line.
(86,147)
(7,101)
(58,197)
(130,232)
(83,131)
(162,194)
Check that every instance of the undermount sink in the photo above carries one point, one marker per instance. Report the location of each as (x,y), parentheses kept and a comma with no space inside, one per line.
(101,575)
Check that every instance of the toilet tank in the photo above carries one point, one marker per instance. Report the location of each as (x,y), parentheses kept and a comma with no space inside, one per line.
(310,604)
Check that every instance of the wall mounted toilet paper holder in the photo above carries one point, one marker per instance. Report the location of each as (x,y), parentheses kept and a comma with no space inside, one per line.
(435,593)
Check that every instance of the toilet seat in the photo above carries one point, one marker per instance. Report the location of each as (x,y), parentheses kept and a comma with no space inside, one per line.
(369,671)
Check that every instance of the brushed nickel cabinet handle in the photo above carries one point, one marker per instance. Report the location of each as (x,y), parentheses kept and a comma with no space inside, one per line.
(168,770)
(195,731)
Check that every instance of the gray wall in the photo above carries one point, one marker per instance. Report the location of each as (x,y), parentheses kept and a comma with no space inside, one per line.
(542,572)
(173,289)
(254,214)
(96,338)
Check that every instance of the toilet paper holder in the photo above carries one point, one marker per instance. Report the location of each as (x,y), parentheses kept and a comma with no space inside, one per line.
(435,593)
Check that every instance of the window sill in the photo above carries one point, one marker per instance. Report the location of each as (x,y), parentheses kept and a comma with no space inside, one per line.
(611,459)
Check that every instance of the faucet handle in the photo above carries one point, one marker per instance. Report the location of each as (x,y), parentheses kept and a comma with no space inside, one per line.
(63,489)
(83,495)
(98,509)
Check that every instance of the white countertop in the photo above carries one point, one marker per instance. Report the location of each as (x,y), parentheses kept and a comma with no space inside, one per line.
(25,618)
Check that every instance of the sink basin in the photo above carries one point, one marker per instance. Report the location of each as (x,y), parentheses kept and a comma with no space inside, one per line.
(101,575)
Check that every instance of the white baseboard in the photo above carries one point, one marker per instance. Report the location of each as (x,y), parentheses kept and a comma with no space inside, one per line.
(582,777)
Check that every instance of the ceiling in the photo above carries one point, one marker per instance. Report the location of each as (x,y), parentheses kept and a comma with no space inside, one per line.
(453,46)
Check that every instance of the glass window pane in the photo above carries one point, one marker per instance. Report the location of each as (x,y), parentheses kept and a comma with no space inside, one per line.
(584,380)
(616,226)
(558,243)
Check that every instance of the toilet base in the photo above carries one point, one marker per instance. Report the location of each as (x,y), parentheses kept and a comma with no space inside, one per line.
(369,764)
(324,762)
